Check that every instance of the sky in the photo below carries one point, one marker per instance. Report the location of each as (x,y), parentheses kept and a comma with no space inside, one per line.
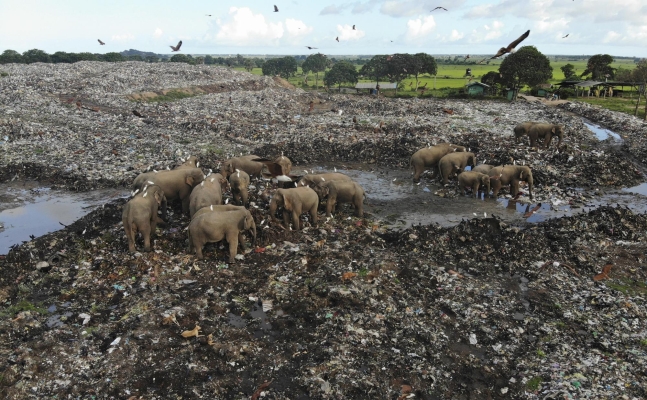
(246,27)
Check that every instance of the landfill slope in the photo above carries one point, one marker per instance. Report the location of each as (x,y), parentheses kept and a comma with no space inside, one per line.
(349,308)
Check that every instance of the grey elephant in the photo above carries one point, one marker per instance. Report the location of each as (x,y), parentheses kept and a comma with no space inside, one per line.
(140,214)
(483,168)
(239,183)
(522,129)
(244,163)
(294,202)
(429,158)
(206,193)
(454,163)
(545,132)
(211,227)
(176,184)
(191,162)
(510,175)
(336,192)
(475,181)
(314,179)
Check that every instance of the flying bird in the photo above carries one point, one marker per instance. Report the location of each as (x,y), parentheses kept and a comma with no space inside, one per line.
(276,9)
(511,46)
(337,38)
(176,48)
(439,8)
(565,36)
(467,56)
(310,48)
(100,42)
(353,27)
(208,15)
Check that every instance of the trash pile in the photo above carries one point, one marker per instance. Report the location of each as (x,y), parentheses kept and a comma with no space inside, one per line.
(343,309)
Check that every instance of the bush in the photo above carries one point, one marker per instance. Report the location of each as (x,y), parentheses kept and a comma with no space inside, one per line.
(566,93)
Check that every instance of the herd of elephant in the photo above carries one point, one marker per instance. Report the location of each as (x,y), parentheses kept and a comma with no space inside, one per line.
(213,221)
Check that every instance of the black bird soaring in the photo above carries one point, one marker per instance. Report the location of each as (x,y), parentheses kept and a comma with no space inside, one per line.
(276,9)
(353,27)
(511,46)
(565,36)
(310,48)
(337,38)
(176,48)
(439,8)
(100,42)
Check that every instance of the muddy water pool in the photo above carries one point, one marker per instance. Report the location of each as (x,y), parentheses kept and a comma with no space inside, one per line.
(29,209)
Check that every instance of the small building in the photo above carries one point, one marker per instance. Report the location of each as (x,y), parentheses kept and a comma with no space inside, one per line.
(476,88)
(371,87)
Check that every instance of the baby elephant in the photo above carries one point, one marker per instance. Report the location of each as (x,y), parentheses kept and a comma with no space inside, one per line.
(206,193)
(294,202)
(140,214)
(239,182)
(474,180)
(341,192)
(211,227)
(455,163)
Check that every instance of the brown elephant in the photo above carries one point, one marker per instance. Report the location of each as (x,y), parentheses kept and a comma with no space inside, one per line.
(227,207)
(336,192)
(521,130)
(206,193)
(140,214)
(239,183)
(176,184)
(454,163)
(295,202)
(429,157)
(483,168)
(285,164)
(191,162)
(545,132)
(475,181)
(510,175)
(244,163)
(211,227)
(314,179)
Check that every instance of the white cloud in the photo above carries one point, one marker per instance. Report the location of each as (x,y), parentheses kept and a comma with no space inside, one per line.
(346,32)
(417,28)
(243,27)
(487,32)
(158,33)
(332,9)
(296,27)
(611,36)
(456,35)
(126,37)
(551,25)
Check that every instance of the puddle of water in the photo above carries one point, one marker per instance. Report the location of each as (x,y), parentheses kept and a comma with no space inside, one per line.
(640,189)
(55,321)
(257,312)
(600,132)
(236,321)
(27,211)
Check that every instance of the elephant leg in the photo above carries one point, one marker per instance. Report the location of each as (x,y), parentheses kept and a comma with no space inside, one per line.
(233,246)
(296,220)
(330,205)
(245,197)
(549,138)
(241,240)
(198,249)
(313,215)
(359,208)
(185,205)
(286,218)
(131,232)
(475,190)
(496,188)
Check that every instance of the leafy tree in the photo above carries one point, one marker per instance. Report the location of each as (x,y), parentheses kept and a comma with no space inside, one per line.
(183,58)
(569,71)
(527,66)
(397,67)
(11,56)
(375,68)
(135,57)
(209,60)
(112,57)
(341,72)
(639,74)
(271,67)
(599,66)
(315,63)
(423,63)
(493,79)
(249,64)
(623,75)
(61,57)
(240,60)
(86,56)
(153,59)
(284,67)
(259,62)
(35,55)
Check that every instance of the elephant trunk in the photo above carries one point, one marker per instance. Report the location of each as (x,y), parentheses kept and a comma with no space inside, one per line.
(273,207)
(529,180)
(252,228)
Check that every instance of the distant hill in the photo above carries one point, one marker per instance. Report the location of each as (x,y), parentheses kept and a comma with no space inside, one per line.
(143,54)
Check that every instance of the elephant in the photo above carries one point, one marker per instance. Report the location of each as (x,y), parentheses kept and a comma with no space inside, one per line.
(206,193)
(211,227)
(191,162)
(176,184)
(522,129)
(510,175)
(296,201)
(429,157)
(285,164)
(239,182)
(483,168)
(341,192)
(244,163)
(140,214)
(475,181)
(454,162)
(545,132)
(223,208)
(313,179)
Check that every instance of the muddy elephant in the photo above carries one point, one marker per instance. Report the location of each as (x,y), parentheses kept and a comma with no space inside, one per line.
(429,157)
(244,163)
(483,168)
(285,163)
(191,162)
(211,227)
(176,184)
(510,175)
(239,183)
(336,192)
(521,130)
(294,202)
(475,181)
(545,132)
(140,214)
(208,192)
(454,163)
(314,179)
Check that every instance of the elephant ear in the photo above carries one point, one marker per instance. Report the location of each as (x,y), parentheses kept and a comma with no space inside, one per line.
(158,198)
(521,175)
(553,130)
(287,203)
(189,180)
